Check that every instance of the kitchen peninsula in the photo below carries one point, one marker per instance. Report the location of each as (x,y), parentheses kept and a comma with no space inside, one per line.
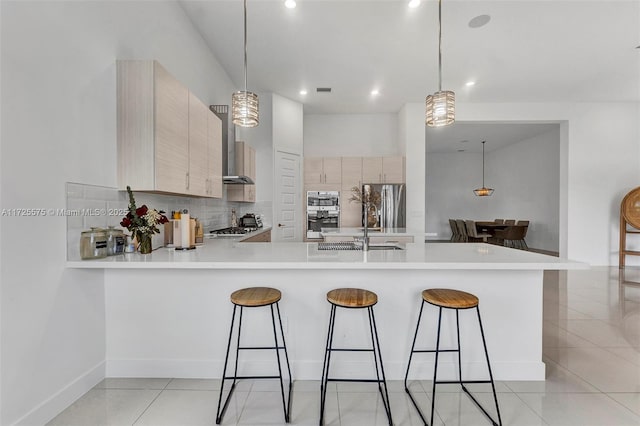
(168,313)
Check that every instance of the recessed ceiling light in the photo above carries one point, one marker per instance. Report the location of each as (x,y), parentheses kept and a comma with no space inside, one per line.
(470,83)
(464,141)
(479,21)
(375,92)
(414,3)
(290,4)
(303,92)
(461,150)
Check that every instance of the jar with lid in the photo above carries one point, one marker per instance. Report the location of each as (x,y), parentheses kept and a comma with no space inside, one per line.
(93,244)
(115,241)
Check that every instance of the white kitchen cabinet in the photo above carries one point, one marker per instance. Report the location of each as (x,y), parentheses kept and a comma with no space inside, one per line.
(163,133)
(383,170)
(245,163)
(350,212)
(323,170)
(393,170)
(214,157)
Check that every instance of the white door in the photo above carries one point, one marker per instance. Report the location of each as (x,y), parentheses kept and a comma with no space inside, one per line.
(287,223)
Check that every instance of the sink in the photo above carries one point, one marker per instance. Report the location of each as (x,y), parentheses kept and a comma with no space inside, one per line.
(385,247)
(354,246)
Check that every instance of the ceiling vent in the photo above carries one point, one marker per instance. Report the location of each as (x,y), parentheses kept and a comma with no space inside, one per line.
(323,89)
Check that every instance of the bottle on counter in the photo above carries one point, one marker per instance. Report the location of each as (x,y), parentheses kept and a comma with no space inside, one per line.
(234,218)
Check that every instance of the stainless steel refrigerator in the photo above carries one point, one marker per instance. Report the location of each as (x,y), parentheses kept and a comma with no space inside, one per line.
(392,207)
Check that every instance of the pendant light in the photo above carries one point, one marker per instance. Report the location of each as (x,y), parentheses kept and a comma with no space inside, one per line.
(244,104)
(441,106)
(484,191)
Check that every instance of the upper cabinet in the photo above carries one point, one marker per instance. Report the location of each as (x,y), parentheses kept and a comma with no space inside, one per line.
(383,170)
(245,163)
(168,140)
(323,170)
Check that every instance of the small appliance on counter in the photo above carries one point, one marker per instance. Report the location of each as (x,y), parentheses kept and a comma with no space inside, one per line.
(251,220)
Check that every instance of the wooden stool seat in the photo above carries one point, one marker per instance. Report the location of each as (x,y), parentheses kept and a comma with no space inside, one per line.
(352,297)
(448,298)
(255,296)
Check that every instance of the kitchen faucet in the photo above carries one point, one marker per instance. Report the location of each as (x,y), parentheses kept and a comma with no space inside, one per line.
(366,195)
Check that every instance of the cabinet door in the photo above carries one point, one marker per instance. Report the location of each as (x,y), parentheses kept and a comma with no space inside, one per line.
(198,182)
(313,172)
(371,169)
(214,129)
(350,212)
(393,169)
(332,170)
(250,193)
(171,130)
(351,172)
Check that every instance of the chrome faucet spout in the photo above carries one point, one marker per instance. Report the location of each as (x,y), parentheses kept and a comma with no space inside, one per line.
(366,195)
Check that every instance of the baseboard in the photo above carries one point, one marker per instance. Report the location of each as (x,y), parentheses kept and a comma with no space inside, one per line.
(312,370)
(52,406)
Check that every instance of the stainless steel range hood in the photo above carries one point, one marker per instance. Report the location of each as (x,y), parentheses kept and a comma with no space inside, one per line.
(229,148)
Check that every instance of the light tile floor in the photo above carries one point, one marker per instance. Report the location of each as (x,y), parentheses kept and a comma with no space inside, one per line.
(591,346)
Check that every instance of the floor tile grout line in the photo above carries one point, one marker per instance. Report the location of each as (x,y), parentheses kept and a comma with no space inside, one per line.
(148,406)
(621,404)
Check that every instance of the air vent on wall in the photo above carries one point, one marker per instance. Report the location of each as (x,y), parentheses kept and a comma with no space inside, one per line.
(323,89)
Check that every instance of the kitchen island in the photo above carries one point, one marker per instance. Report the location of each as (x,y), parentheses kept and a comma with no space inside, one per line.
(168,313)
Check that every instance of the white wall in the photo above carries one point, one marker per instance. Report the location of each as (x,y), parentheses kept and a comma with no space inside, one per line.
(525,176)
(288,125)
(351,135)
(59,125)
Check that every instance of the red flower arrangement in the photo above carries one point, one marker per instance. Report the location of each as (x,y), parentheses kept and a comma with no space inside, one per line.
(142,222)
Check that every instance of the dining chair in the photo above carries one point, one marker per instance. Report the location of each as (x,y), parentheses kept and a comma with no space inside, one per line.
(472,231)
(512,236)
(462,230)
(522,223)
(498,221)
(455,235)
(510,222)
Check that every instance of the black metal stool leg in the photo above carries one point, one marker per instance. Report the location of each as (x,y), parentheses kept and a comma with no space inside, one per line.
(459,348)
(327,360)
(435,367)
(275,338)
(286,357)
(406,377)
(385,397)
(493,387)
(219,413)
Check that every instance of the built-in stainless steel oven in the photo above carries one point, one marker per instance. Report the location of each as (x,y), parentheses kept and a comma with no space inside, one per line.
(323,211)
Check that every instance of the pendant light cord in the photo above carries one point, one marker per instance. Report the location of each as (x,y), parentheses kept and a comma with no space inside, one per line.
(483,163)
(439,45)
(245,46)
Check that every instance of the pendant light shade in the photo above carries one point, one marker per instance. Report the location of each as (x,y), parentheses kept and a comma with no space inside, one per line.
(441,106)
(244,107)
(484,191)
(244,104)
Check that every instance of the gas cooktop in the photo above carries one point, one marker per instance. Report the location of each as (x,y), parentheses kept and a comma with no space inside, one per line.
(232,231)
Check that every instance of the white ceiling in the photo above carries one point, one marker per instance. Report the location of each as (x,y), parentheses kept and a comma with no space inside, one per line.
(530,51)
(468,136)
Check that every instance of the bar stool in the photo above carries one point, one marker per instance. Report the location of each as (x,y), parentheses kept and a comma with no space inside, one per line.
(354,298)
(251,298)
(450,299)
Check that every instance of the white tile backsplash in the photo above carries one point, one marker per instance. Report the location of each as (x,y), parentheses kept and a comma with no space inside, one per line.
(112,204)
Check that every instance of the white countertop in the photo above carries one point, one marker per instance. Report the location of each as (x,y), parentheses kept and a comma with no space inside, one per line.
(358,232)
(231,253)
